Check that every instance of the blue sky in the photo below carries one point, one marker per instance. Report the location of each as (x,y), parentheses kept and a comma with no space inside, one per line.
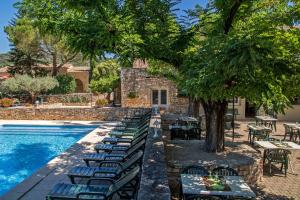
(7,12)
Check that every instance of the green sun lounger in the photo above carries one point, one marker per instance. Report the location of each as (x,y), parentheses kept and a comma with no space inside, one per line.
(106,169)
(125,188)
(114,156)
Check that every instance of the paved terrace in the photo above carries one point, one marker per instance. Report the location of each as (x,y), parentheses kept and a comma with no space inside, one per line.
(37,186)
(274,187)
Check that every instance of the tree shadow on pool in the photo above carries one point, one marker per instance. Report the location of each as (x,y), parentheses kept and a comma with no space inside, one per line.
(23,161)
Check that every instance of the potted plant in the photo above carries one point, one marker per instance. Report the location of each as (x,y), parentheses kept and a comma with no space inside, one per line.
(7,102)
(132,95)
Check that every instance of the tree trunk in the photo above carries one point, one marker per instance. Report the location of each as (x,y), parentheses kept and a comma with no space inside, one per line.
(215,121)
(33,98)
(54,65)
(196,108)
(108,97)
(92,66)
(190,108)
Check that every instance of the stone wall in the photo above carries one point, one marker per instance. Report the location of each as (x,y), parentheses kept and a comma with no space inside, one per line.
(139,81)
(154,181)
(91,114)
(63,98)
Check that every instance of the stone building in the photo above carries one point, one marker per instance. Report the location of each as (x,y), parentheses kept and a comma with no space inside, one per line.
(140,89)
(4,74)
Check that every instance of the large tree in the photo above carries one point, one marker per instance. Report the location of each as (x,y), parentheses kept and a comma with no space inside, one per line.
(32,43)
(233,48)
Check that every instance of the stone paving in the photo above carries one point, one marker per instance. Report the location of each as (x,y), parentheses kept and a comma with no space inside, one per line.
(271,187)
(276,185)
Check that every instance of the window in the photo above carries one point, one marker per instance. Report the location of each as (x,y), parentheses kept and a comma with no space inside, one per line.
(236,100)
(155,97)
(159,97)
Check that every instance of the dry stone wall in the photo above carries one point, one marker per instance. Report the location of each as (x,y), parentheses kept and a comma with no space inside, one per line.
(91,114)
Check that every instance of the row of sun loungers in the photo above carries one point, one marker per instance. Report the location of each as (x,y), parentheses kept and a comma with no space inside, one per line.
(116,168)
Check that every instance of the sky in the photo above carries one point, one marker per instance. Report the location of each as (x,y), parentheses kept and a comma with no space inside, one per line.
(7,12)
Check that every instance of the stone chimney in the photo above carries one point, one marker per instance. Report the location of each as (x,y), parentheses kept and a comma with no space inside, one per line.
(140,64)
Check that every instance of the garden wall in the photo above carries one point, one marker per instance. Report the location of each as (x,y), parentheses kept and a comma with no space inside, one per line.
(154,183)
(91,114)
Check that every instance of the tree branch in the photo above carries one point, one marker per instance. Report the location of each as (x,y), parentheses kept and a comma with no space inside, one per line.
(233,11)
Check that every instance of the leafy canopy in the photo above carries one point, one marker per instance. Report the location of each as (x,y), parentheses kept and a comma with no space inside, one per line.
(254,55)
(66,84)
(231,48)
(106,76)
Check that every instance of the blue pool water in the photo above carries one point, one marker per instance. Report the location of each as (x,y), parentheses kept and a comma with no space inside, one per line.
(26,148)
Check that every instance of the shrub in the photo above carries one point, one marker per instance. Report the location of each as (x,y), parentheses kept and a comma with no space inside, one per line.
(76,99)
(67,84)
(28,85)
(6,102)
(106,77)
(101,102)
(132,95)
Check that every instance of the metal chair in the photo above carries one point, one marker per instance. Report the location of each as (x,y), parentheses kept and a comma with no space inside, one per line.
(261,135)
(177,133)
(280,156)
(201,197)
(194,132)
(195,169)
(224,171)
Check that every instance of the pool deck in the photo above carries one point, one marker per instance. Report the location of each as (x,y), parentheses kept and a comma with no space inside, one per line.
(37,186)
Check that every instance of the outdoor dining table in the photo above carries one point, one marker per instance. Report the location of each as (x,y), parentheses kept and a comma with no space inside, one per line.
(272,145)
(295,127)
(185,128)
(255,130)
(187,119)
(266,120)
(194,185)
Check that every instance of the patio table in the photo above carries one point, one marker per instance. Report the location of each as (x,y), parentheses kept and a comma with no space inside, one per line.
(256,130)
(266,121)
(194,185)
(294,126)
(188,119)
(270,145)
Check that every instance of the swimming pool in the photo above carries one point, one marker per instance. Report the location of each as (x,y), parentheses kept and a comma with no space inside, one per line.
(26,148)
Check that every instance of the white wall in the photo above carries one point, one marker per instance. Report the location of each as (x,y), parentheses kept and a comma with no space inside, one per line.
(291,114)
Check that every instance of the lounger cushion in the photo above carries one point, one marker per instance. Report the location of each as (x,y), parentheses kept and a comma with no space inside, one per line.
(69,191)
(104,156)
(116,140)
(81,171)
(111,147)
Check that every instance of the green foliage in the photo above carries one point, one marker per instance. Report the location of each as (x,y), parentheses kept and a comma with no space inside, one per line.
(101,102)
(28,85)
(75,99)
(255,59)
(67,84)
(106,76)
(132,95)
(26,63)
(4,60)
